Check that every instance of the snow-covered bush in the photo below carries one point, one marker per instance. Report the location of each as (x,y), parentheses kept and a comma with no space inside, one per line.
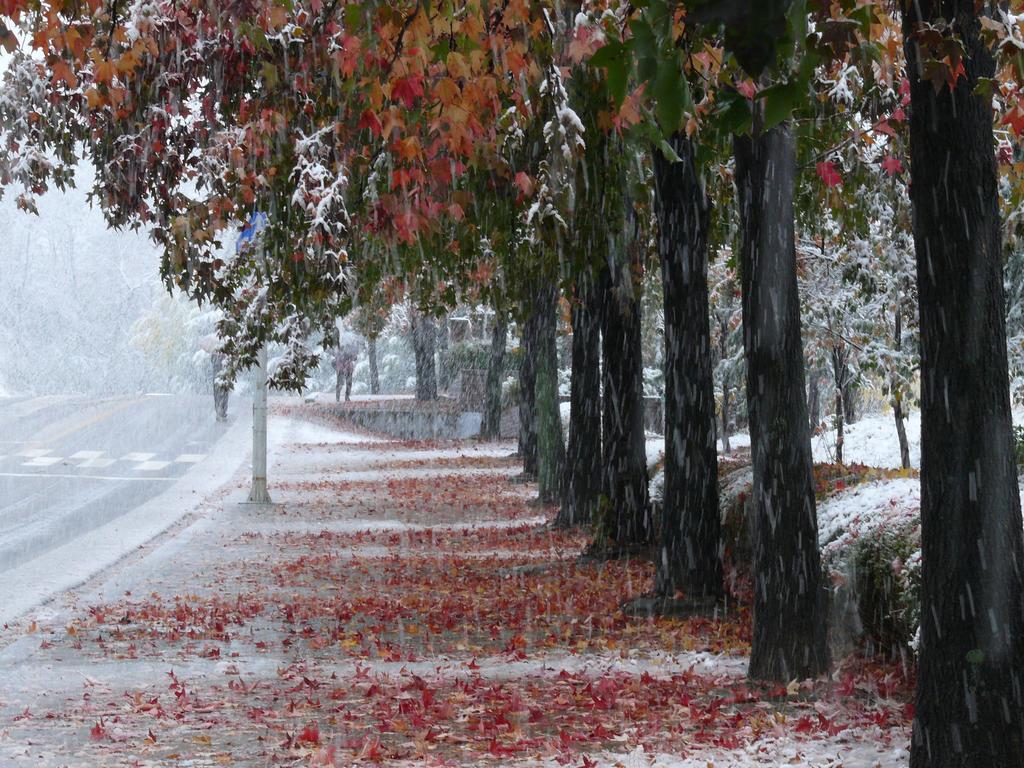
(396,364)
(871,547)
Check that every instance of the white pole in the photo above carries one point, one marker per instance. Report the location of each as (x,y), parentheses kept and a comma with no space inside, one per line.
(258,492)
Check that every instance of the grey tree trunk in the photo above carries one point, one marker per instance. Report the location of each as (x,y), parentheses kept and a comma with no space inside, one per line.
(815,400)
(689,543)
(583,456)
(490,426)
(424,335)
(527,396)
(723,342)
(790,598)
(627,515)
(840,373)
(550,445)
(897,400)
(970,702)
(371,351)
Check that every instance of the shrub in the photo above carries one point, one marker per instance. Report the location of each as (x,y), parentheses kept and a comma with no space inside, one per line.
(887,584)
(1018,444)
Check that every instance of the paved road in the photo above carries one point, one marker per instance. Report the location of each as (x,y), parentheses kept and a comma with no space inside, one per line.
(71,464)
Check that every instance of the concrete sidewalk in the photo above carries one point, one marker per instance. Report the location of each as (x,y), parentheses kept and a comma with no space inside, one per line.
(401,602)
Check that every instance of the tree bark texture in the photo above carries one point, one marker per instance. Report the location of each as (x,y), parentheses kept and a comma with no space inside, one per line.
(550,444)
(969,710)
(424,336)
(627,515)
(689,558)
(790,601)
(490,426)
(527,395)
(582,477)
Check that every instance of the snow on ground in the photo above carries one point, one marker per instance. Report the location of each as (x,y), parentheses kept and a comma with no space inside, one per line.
(848,515)
(871,440)
(309,432)
(328,395)
(569,663)
(840,751)
(656,446)
(28,585)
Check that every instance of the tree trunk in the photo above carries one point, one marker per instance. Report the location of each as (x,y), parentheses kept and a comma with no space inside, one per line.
(839,425)
(445,374)
(790,602)
(815,400)
(726,397)
(490,426)
(424,335)
(723,340)
(550,446)
(627,519)
(690,542)
(371,350)
(527,395)
(971,655)
(839,373)
(897,399)
(901,432)
(851,397)
(583,457)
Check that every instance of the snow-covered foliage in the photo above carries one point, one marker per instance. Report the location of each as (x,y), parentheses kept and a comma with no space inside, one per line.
(74,298)
(176,336)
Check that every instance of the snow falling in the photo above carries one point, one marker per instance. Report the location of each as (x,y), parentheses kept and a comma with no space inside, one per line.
(535,384)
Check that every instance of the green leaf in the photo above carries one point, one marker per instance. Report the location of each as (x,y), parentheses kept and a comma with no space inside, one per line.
(646,46)
(780,100)
(864,16)
(986,86)
(607,53)
(735,116)
(353,15)
(672,95)
(659,17)
(618,80)
(667,151)
(269,74)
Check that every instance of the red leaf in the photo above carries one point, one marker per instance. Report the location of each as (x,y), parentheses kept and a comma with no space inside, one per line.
(370,120)
(747,89)
(309,735)
(525,183)
(407,90)
(827,171)
(1015,119)
(892,166)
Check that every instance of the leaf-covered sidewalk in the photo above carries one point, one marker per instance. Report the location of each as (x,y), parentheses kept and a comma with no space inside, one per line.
(404,603)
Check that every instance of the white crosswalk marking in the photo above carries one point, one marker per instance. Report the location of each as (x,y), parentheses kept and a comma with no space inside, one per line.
(137,456)
(34,453)
(190,458)
(97,463)
(43,461)
(86,455)
(151,466)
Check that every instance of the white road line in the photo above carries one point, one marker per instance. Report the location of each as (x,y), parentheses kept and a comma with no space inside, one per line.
(190,458)
(43,461)
(33,453)
(151,466)
(86,455)
(44,475)
(97,463)
(137,456)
